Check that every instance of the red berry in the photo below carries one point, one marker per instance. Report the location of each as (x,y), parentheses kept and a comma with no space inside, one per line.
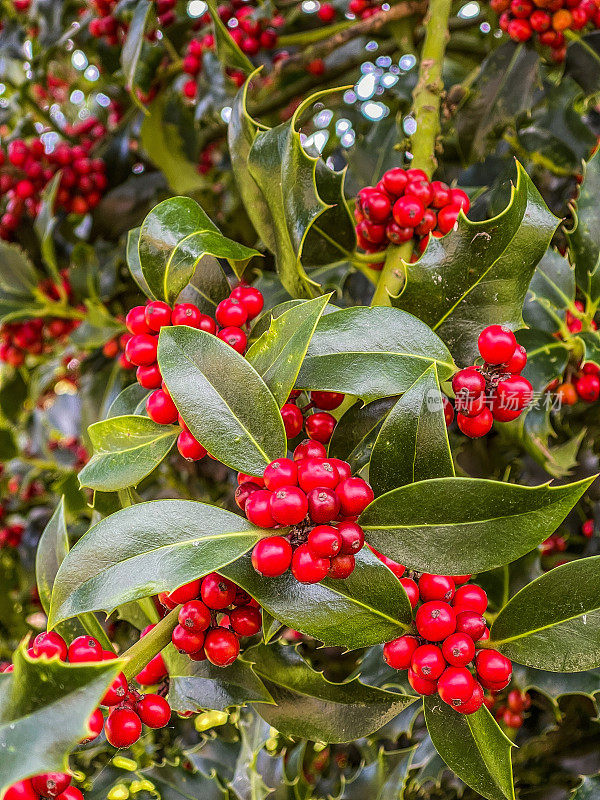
(231,312)
(282,472)
(186,314)
(323,505)
(187,641)
(476,426)
(471,623)
(428,662)
(246,620)
(136,321)
(458,649)
(153,710)
(354,495)
(519,30)
(217,592)
(272,556)
(251,298)
(468,383)
(141,349)
(421,189)
(470,598)
(258,509)
(116,691)
(207,324)
(22,790)
(588,388)
(154,672)
(243,478)
(408,212)
(411,589)
(317,473)
(308,568)
(376,207)
(435,621)
(515,701)
(440,194)
(194,616)
(189,447)
(421,685)
(326,12)
(158,314)
(243,492)
(51,645)
(234,337)
(496,344)
(309,449)
(492,666)
(399,652)
(327,401)
(149,377)
(342,566)
(95,725)
(50,784)
(587,529)
(161,408)
(352,536)
(397,234)
(320,426)
(456,685)
(185,593)
(540,21)
(436,587)
(123,727)
(289,505)
(221,647)
(292,420)
(84,648)
(515,393)
(325,541)
(474,703)
(395,180)
(343,467)
(517,361)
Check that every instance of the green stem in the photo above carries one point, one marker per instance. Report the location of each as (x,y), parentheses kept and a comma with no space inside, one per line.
(153,642)
(427,96)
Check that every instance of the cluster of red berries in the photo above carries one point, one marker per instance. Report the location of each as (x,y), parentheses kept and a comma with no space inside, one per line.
(128,708)
(71,445)
(144,324)
(362,9)
(448,623)
(582,385)
(215,614)
(405,206)
(11,535)
(496,390)
(26,169)
(54,785)
(113,30)
(318,425)
(522,19)
(510,712)
(307,493)
(117,349)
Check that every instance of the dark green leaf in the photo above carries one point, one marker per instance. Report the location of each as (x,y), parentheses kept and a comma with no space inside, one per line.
(547,357)
(174,783)
(8,445)
(459,526)
(45,223)
(557,684)
(278,354)
(371,353)
(309,706)
(412,444)
(367,608)
(591,346)
(553,623)
(473,746)
(207,287)
(174,237)
(219,394)
(583,58)
(551,291)
(132,400)
(133,262)
(356,432)
(126,450)
(584,239)
(132,48)
(145,549)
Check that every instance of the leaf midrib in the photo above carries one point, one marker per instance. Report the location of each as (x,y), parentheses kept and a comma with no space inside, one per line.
(533,631)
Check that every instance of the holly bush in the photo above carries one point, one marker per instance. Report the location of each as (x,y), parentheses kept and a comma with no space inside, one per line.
(299,391)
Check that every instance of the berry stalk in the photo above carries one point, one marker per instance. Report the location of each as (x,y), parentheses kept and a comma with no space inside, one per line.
(426,112)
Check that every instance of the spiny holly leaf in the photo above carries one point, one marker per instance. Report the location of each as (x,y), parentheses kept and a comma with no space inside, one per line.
(478,274)
(473,746)
(371,353)
(551,291)
(460,526)
(557,684)
(197,685)
(591,346)
(132,400)
(224,402)
(174,236)
(367,608)
(278,354)
(553,623)
(413,441)
(145,549)
(309,706)
(584,239)
(264,161)
(356,432)
(588,789)
(547,357)
(44,709)
(174,783)
(126,450)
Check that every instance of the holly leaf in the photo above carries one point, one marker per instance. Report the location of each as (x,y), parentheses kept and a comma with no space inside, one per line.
(132,400)
(219,394)
(228,52)
(310,706)
(591,346)
(551,291)
(557,684)
(207,287)
(367,608)
(126,450)
(547,357)
(174,237)
(146,549)
(588,789)
(412,444)
(371,353)
(478,274)
(44,709)
(459,526)
(132,47)
(278,354)
(473,746)
(584,238)
(356,432)
(134,264)
(194,685)
(17,274)
(553,623)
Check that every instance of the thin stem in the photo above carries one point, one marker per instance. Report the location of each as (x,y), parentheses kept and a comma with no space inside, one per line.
(153,642)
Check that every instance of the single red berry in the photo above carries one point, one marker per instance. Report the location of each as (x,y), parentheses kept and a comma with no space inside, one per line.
(217,592)
(308,568)
(492,666)
(283,472)
(149,377)
(408,212)
(342,566)
(116,691)
(399,652)
(234,337)
(154,672)
(496,344)
(293,420)
(50,784)
(474,703)
(519,30)
(186,314)
(158,314)
(327,401)
(411,589)
(343,467)
(376,207)
(421,685)
(242,477)
(352,536)
(246,620)
(141,349)
(440,194)
(448,411)
(428,662)
(161,408)
(272,556)
(587,529)
(187,641)
(436,587)
(183,594)
(194,616)
(325,541)
(71,793)
(476,426)
(95,725)
(221,646)
(458,649)
(258,509)
(456,685)
(231,312)
(243,492)
(435,620)
(421,189)
(446,219)
(515,701)
(51,645)
(320,426)
(136,321)
(289,505)
(123,727)
(470,598)
(309,449)
(517,361)
(189,447)
(22,790)
(468,383)
(395,180)
(516,392)
(323,505)
(398,234)
(317,473)
(326,12)
(84,648)
(207,324)
(354,494)
(251,298)
(153,710)
(587,387)
(471,623)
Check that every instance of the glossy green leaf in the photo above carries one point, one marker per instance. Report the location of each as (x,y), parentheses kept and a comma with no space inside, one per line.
(551,291)
(356,432)
(44,709)
(459,526)
(367,608)
(591,346)
(309,706)
(207,287)
(132,400)
(479,273)
(228,52)
(371,353)
(45,222)
(219,395)
(557,684)
(584,239)
(473,746)
(195,685)
(174,237)
(133,262)
(553,623)
(132,47)
(126,450)
(547,357)
(17,273)
(146,549)
(174,783)
(287,194)
(278,354)
(412,444)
